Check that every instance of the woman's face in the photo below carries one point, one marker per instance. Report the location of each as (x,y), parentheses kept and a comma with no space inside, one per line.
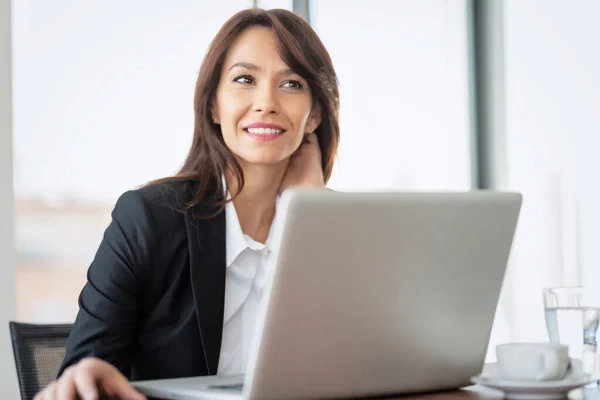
(263,107)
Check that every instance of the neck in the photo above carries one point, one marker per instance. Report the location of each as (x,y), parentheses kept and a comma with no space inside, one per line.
(255,203)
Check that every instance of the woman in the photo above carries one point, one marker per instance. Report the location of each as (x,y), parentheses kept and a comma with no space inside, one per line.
(173,288)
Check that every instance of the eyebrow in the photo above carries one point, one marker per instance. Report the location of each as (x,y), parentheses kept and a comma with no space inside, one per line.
(254,67)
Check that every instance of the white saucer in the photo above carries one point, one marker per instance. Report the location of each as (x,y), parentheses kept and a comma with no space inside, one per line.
(533,390)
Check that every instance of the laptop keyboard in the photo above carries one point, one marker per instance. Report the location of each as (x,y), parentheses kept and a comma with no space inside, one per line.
(232,386)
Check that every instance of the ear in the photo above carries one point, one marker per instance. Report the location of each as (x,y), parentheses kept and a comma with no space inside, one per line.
(314,119)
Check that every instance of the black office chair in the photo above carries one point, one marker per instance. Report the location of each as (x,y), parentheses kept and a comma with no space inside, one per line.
(39,351)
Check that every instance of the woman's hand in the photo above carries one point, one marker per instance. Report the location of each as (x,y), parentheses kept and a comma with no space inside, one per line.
(304,168)
(90,379)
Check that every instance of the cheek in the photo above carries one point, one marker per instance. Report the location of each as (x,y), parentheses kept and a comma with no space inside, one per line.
(303,126)
(298,114)
(231,108)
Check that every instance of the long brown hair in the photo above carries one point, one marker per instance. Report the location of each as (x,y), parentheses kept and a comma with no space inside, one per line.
(302,50)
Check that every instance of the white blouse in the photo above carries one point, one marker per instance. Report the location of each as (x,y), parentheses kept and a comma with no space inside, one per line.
(247,262)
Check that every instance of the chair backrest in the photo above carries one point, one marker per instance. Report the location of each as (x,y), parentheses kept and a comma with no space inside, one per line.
(39,351)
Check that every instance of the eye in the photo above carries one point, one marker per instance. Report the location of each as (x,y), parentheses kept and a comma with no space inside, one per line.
(293,84)
(247,79)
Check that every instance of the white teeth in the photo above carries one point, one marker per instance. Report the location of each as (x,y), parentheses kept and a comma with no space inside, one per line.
(264,131)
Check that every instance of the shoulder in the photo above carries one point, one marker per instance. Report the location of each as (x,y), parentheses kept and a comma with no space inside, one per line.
(162,208)
(158,197)
(172,195)
(154,206)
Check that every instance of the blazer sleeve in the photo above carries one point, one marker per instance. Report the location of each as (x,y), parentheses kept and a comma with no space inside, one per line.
(107,323)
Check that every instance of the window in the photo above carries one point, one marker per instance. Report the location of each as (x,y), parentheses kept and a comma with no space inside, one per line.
(103,103)
(552,121)
(102,98)
(403,75)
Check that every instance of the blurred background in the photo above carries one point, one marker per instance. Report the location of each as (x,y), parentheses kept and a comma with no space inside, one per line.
(435,95)
(95,82)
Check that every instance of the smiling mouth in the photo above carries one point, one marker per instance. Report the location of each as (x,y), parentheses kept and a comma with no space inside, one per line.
(264,131)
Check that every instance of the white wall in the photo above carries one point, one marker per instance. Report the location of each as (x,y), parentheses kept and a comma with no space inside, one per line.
(553,137)
(8,380)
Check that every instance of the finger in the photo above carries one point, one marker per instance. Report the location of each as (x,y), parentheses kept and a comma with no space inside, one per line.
(65,389)
(50,392)
(310,137)
(122,389)
(85,384)
(112,381)
(95,376)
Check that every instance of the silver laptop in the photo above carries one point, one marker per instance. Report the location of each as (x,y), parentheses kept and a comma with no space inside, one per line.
(372,294)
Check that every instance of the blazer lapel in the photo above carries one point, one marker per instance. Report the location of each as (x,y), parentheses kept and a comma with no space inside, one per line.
(206,238)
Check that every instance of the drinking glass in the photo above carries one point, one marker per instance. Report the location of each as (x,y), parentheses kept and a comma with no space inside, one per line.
(572,315)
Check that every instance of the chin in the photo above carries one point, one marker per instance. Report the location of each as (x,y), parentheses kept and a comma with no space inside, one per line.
(264,158)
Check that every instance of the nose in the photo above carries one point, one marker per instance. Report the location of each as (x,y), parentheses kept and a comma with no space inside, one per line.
(266,100)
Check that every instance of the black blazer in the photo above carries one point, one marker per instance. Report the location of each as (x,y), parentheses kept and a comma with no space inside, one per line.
(153,302)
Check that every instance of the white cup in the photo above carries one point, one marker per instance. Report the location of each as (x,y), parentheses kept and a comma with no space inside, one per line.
(532,361)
